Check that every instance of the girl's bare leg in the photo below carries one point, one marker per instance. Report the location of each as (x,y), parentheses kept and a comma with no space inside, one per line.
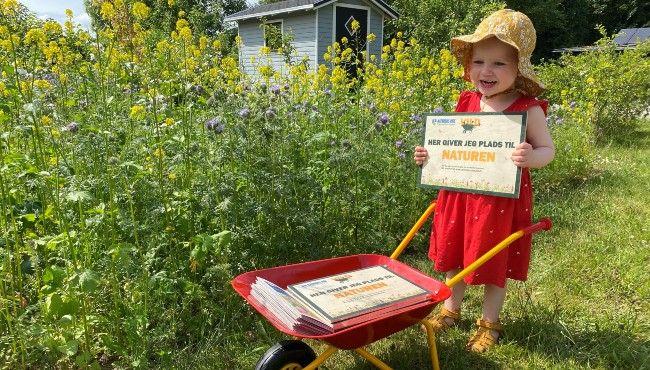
(493,298)
(457,293)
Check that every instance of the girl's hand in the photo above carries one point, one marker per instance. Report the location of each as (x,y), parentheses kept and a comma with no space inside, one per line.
(420,155)
(522,155)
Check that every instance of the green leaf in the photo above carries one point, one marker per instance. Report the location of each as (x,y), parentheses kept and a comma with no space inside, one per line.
(77,196)
(53,304)
(223,239)
(29,217)
(70,348)
(82,359)
(88,281)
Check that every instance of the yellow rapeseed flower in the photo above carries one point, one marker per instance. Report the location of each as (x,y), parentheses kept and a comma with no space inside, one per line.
(355,25)
(46,120)
(170,2)
(371,37)
(9,6)
(137,112)
(140,10)
(107,11)
(35,36)
(52,27)
(42,84)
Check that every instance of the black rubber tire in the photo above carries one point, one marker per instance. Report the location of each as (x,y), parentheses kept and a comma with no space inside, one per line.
(285,353)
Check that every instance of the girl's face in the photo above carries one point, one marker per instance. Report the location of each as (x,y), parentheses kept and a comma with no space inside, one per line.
(493,67)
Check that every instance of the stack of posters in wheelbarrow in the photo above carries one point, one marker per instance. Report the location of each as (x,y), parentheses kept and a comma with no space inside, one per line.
(336,302)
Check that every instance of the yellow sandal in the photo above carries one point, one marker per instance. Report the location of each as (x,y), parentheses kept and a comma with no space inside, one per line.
(483,339)
(439,322)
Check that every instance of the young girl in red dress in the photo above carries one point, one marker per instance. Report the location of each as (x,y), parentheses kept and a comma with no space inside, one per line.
(496,59)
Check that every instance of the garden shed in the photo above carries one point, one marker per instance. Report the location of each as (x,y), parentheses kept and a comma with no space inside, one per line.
(311,26)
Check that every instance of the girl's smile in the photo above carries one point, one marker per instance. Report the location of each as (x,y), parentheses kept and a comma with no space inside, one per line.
(493,67)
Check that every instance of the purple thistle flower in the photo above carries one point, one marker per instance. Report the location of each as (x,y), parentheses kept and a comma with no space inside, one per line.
(401,155)
(215,124)
(572,104)
(263,86)
(378,126)
(383,118)
(399,143)
(438,110)
(275,89)
(244,113)
(416,117)
(328,92)
(270,113)
(72,127)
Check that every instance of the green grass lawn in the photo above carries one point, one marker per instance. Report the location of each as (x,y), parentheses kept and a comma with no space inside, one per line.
(586,303)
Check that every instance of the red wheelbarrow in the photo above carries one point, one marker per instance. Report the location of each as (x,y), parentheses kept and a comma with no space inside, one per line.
(295,354)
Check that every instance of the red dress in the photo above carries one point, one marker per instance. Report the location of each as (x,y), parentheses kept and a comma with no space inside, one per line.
(466,225)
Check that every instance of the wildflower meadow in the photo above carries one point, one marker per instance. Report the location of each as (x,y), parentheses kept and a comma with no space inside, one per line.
(140,172)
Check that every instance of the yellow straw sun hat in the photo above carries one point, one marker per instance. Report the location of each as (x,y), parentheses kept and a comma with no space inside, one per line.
(513,28)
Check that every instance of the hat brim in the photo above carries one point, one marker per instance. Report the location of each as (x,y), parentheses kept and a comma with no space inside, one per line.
(526,82)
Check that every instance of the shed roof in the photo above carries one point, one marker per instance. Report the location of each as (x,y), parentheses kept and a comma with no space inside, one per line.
(627,38)
(295,5)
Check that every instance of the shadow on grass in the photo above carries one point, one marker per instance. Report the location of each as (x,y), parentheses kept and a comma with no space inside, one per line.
(635,135)
(583,342)
(411,351)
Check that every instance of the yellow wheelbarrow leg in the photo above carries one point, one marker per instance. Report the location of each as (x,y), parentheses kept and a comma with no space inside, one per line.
(413,231)
(372,359)
(320,359)
(431,339)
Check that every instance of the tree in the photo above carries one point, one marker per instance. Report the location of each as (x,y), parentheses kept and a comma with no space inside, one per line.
(434,22)
(204,16)
(564,23)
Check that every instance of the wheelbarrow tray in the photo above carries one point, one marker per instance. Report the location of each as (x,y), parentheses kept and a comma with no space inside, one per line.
(357,335)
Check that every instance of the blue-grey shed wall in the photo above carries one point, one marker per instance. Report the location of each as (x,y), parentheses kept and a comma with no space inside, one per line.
(312,33)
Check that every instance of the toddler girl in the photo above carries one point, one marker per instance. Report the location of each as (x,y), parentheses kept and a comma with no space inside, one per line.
(496,59)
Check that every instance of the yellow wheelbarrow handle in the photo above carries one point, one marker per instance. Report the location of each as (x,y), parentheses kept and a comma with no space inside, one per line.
(543,224)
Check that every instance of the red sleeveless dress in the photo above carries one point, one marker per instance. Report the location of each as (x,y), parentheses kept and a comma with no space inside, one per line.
(466,225)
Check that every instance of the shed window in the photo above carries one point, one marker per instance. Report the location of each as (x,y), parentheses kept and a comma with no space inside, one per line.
(273,35)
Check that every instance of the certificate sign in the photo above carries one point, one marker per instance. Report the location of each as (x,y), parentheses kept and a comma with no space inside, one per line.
(470,152)
(350,294)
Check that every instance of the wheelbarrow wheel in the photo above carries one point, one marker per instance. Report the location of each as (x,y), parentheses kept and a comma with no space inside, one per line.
(287,355)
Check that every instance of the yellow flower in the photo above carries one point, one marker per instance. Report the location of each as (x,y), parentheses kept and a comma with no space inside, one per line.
(9,6)
(344,40)
(46,120)
(170,3)
(35,36)
(107,11)
(400,34)
(355,25)
(137,112)
(68,13)
(371,37)
(159,153)
(52,27)
(171,176)
(169,121)
(140,10)
(42,84)
(216,44)
(264,50)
